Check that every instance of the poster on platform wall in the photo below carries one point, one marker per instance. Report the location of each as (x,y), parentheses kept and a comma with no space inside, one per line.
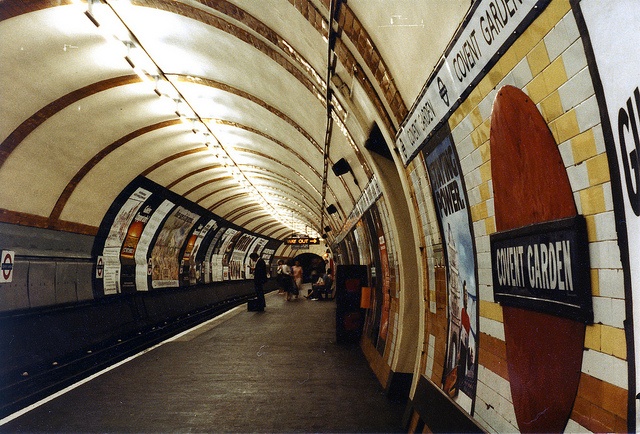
(420,186)
(210,259)
(113,244)
(165,254)
(384,279)
(151,237)
(268,250)
(364,247)
(239,257)
(222,255)
(258,246)
(451,203)
(376,319)
(190,267)
(135,242)
(143,261)
(612,41)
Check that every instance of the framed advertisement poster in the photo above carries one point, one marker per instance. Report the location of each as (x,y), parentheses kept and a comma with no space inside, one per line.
(122,239)
(454,216)
(166,250)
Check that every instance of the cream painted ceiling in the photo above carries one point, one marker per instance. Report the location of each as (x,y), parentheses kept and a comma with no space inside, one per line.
(248,79)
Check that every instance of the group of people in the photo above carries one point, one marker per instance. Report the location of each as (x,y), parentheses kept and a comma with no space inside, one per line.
(322,289)
(290,278)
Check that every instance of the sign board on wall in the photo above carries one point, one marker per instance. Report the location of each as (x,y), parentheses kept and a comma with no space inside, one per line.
(8,257)
(489,29)
(612,42)
(302,241)
(371,193)
(544,267)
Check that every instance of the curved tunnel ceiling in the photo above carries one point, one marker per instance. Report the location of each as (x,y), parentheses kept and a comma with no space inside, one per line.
(223,102)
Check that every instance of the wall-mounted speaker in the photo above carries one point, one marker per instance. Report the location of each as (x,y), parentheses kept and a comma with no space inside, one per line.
(376,143)
(331,209)
(341,167)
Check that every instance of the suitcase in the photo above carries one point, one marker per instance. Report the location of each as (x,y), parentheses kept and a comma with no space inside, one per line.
(253,306)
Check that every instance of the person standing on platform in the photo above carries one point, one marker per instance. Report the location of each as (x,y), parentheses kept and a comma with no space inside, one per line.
(289,284)
(259,279)
(297,277)
(281,276)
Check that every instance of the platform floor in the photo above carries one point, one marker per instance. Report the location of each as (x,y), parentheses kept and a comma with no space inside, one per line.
(277,371)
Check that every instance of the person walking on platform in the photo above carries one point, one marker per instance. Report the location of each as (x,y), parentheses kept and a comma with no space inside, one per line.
(259,279)
(298,277)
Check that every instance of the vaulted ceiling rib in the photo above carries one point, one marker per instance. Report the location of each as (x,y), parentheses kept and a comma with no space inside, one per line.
(257,89)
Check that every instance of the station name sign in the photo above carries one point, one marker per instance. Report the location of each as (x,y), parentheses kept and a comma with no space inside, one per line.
(544,267)
(488,30)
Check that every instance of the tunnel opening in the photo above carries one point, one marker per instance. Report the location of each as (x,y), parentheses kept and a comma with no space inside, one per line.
(313,266)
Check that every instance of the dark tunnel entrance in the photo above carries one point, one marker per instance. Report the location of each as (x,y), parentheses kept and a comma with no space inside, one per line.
(313,266)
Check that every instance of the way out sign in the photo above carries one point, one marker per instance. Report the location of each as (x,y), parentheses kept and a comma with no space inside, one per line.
(7,266)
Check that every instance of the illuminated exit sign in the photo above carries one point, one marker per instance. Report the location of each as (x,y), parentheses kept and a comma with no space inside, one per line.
(302,241)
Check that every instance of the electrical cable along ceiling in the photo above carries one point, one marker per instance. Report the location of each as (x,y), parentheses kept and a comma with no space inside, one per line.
(224,103)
